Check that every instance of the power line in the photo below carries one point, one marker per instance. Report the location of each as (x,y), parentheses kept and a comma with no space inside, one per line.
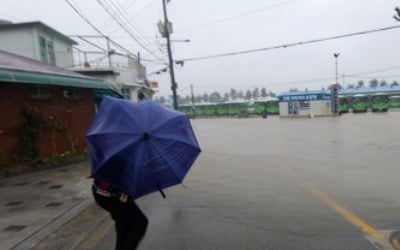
(129,21)
(136,15)
(234,16)
(91,43)
(94,27)
(289,44)
(127,30)
(378,70)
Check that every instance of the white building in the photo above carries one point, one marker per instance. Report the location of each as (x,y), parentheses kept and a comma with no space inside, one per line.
(305,103)
(38,41)
(126,73)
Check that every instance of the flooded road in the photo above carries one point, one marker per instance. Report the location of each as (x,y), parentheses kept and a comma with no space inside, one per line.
(323,183)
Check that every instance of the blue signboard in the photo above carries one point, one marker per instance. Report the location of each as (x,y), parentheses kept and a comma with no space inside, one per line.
(304,97)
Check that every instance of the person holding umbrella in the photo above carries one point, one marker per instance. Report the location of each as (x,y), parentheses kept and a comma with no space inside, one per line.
(130,221)
(137,149)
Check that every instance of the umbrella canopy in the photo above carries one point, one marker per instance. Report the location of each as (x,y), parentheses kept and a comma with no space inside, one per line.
(140,147)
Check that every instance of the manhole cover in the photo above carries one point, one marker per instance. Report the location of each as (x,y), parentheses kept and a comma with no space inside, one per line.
(14,228)
(394,239)
(55,186)
(14,203)
(54,204)
(43,182)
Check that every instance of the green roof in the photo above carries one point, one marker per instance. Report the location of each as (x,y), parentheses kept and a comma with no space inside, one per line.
(55,80)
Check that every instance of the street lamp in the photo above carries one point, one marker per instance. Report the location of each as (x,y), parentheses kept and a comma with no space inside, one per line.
(181,40)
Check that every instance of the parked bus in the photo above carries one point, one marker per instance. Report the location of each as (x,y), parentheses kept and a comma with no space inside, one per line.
(187,109)
(270,104)
(344,105)
(273,106)
(380,102)
(394,101)
(359,103)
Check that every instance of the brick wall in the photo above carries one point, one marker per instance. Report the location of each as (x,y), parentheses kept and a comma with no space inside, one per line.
(65,121)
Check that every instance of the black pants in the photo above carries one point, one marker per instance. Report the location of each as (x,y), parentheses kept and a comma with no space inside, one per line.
(130,222)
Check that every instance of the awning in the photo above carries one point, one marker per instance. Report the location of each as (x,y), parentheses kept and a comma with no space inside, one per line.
(46,79)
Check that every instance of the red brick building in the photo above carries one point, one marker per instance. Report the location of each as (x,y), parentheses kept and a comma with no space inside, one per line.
(45,110)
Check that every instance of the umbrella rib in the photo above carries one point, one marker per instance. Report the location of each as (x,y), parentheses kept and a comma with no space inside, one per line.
(173,170)
(116,133)
(174,139)
(166,123)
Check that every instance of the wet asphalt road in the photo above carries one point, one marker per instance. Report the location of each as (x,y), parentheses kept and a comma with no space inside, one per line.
(323,183)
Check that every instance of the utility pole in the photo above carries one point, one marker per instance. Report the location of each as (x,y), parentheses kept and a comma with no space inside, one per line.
(335,88)
(193,109)
(108,52)
(165,32)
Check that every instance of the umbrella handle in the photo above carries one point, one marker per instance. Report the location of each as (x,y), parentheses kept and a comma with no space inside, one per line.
(161,192)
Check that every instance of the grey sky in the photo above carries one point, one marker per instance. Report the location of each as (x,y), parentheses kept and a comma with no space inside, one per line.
(293,21)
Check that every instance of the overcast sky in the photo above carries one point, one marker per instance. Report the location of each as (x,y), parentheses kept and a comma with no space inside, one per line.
(221,26)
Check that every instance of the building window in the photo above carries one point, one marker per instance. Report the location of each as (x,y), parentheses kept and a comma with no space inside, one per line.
(73,94)
(40,92)
(126,93)
(47,54)
(43,50)
(50,53)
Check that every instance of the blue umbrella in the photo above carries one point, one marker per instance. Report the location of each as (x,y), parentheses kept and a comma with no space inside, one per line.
(140,147)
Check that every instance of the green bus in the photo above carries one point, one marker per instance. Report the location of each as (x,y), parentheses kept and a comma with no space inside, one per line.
(359,103)
(187,109)
(270,104)
(344,105)
(273,106)
(222,109)
(394,101)
(380,102)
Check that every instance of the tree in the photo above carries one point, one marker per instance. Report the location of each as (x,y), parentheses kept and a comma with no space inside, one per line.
(206,97)
(293,90)
(383,83)
(163,100)
(215,97)
(256,93)
(233,93)
(240,95)
(248,95)
(394,83)
(397,15)
(360,84)
(373,83)
(188,99)
(226,97)
(264,92)
(197,98)
(180,99)
(272,94)
(351,86)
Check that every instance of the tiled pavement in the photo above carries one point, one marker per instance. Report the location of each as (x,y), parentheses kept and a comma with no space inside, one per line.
(34,204)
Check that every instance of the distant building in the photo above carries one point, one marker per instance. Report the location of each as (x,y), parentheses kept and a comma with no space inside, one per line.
(38,41)
(390,90)
(125,72)
(305,103)
(46,109)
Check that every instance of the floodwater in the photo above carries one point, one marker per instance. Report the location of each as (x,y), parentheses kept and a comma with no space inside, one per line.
(280,183)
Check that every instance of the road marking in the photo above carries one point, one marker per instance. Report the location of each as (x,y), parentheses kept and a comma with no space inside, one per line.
(375,235)
(94,237)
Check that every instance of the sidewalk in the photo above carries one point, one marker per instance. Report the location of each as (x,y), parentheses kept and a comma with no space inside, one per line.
(34,205)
